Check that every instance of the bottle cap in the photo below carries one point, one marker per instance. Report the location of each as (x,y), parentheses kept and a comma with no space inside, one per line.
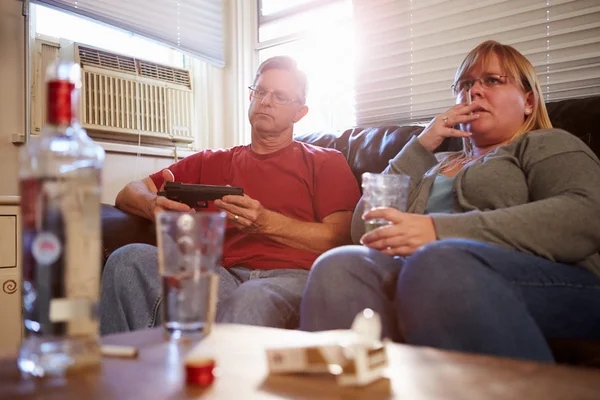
(200,372)
(63,80)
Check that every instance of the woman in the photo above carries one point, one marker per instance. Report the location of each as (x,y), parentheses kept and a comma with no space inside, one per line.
(500,246)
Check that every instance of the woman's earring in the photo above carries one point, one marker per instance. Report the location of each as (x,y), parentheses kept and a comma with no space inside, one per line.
(527,111)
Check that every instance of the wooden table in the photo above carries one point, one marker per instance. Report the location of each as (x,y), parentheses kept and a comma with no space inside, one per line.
(415,373)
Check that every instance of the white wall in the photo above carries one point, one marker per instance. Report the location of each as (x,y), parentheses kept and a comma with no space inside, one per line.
(119,169)
(12,75)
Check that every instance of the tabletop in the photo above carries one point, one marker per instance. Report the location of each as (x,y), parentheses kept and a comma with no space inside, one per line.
(414,373)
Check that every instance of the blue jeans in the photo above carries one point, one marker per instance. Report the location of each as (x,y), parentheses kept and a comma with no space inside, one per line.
(456,295)
(131,300)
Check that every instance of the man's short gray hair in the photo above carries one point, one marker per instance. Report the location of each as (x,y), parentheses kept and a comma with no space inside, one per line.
(286,63)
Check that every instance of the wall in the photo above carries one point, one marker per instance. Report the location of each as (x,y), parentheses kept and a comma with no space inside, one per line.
(119,169)
(12,75)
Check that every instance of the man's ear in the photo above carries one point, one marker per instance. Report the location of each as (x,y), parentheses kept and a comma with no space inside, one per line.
(300,113)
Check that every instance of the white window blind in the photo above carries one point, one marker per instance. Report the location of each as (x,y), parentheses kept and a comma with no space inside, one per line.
(409,50)
(195,26)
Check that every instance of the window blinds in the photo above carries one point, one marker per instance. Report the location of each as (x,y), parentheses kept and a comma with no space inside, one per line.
(408,51)
(194,26)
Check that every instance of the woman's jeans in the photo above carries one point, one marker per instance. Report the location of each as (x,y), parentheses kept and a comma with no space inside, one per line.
(456,295)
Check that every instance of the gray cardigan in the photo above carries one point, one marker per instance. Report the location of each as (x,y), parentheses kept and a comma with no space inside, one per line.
(539,194)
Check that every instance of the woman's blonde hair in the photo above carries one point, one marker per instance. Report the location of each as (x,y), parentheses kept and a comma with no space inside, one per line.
(514,64)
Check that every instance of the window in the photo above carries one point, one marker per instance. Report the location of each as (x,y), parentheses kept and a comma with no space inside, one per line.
(412,49)
(325,52)
(58,25)
(134,90)
(195,26)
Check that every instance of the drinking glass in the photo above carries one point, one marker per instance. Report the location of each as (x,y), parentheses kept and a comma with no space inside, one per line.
(190,246)
(383,190)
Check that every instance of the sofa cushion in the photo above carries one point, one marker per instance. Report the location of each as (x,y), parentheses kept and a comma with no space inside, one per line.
(120,228)
(370,149)
(581,117)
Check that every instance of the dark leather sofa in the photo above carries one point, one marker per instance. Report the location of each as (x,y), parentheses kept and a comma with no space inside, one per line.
(368,150)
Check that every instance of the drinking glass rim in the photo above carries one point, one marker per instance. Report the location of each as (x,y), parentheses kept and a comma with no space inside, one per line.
(366,176)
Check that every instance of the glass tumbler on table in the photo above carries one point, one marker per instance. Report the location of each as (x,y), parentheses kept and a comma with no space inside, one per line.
(190,246)
(383,190)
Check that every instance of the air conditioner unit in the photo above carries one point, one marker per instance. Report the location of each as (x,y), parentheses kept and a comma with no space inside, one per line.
(123,97)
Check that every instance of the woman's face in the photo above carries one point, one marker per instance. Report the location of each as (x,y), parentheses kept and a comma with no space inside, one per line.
(501,107)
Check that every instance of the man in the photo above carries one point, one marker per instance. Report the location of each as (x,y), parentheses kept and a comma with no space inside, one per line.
(298,203)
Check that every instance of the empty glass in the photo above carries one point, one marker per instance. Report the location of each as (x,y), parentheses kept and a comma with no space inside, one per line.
(190,246)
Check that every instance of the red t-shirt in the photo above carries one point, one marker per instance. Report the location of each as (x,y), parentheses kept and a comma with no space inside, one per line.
(301,181)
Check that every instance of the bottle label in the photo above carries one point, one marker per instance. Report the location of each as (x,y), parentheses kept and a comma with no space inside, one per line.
(46,248)
(59,105)
(65,310)
(61,253)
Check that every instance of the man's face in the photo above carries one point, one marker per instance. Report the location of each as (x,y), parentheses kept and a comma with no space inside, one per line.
(265,114)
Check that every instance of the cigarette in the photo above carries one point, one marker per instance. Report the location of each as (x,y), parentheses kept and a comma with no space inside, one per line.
(469,100)
(112,350)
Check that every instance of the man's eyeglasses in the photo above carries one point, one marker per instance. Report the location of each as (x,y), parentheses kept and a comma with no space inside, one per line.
(488,81)
(277,96)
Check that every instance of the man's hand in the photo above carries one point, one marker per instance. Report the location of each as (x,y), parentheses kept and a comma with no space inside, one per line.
(406,235)
(161,203)
(249,215)
(246,213)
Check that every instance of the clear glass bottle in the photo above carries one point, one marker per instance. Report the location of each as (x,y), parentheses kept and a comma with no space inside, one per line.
(60,183)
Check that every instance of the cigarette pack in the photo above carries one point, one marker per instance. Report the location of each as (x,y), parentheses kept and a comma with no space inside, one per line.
(356,357)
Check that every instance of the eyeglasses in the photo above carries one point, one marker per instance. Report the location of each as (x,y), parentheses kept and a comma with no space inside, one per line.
(277,96)
(488,81)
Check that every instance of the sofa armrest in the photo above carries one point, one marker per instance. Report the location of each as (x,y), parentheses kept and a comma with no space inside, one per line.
(120,228)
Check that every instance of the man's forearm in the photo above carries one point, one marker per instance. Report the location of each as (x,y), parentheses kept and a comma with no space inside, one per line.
(316,237)
(135,198)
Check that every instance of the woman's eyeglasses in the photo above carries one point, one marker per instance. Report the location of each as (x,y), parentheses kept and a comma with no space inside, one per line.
(488,81)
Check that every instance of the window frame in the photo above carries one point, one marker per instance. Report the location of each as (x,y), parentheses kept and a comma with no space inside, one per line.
(281,15)
(297,36)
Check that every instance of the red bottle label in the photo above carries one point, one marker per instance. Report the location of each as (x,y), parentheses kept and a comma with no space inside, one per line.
(60,102)
(42,226)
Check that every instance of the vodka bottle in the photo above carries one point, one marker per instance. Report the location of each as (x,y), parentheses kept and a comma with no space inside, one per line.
(60,205)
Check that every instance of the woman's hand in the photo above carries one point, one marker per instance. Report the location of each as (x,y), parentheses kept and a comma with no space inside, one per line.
(441,126)
(406,235)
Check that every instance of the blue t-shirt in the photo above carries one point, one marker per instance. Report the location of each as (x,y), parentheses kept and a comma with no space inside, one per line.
(440,198)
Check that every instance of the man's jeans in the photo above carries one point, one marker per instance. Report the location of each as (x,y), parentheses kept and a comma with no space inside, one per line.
(456,295)
(131,300)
